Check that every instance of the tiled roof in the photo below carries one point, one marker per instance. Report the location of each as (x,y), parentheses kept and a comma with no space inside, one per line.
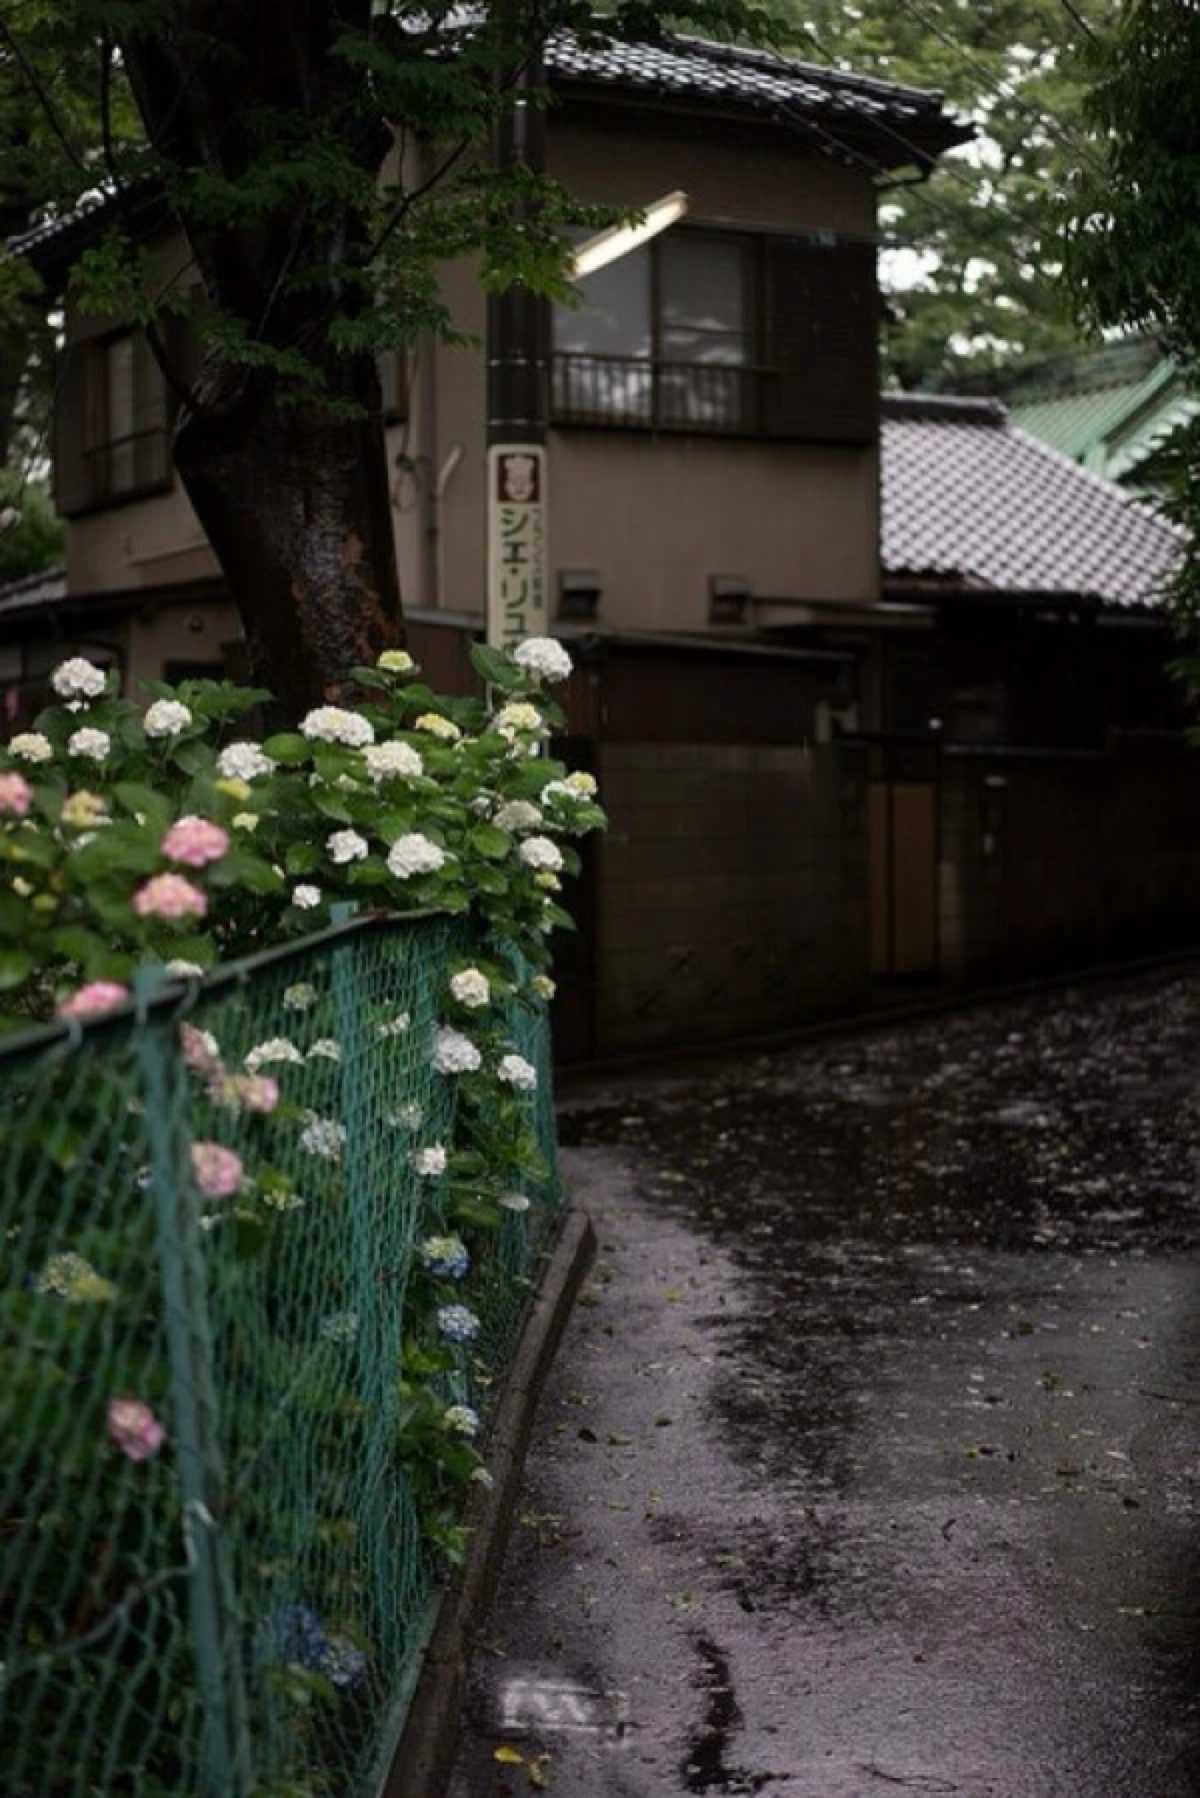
(31,592)
(969,499)
(906,123)
(862,117)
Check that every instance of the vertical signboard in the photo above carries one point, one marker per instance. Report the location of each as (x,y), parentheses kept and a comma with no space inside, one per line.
(518,600)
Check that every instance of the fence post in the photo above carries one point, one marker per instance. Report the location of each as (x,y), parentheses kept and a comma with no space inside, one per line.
(377,1371)
(226,1763)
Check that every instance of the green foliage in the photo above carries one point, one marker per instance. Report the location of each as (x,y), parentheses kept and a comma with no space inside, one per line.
(1133,229)
(979,286)
(31,537)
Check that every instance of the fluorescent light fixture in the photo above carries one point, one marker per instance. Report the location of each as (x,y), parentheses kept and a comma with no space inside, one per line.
(619,240)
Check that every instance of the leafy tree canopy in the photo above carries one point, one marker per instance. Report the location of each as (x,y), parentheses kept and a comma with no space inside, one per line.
(1133,239)
(975,284)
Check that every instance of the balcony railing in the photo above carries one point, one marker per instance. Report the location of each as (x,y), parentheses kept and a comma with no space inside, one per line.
(722,398)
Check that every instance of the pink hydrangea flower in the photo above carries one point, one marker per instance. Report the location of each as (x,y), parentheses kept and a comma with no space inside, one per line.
(15,795)
(92,1000)
(200,1049)
(170,896)
(194,842)
(218,1171)
(257,1093)
(134,1428)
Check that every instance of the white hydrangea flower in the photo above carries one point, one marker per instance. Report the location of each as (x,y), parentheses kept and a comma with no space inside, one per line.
(436,726)
(517,719)
(543,987)
(166,718)
(414,853)
(347,846)
(409,1116)
(396,661)
(274,1050)
(32,746)
(333,724)
(300,996)
(518,1073)
(470,988)
(305,897)
(430,1162)
(243,761)
(338,1326)
(583,785)
(282,1199)
(392,761)
(454,1053)
(89,744)
(77,678)
(540,852)
(325,1049)
(185,970)
(245,820)
(543,657)
(323,1137)
(462,1419)
(518,814)
(396,1026)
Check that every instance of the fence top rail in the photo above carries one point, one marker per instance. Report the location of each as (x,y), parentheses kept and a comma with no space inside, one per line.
(164,993)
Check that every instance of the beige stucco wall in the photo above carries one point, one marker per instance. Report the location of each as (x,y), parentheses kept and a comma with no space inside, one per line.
(743,178)
(180,634)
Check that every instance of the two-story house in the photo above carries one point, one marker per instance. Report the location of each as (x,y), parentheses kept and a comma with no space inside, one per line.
(714,480)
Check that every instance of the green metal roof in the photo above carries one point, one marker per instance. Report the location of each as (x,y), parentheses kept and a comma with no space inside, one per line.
(1108,423)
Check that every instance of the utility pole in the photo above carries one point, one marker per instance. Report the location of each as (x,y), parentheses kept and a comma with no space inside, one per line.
(518,376)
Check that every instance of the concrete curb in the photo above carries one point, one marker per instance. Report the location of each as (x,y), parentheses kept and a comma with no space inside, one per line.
(424,1755)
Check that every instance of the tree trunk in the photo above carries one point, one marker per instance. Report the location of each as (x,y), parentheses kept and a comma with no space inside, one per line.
(292,493)
(295,503)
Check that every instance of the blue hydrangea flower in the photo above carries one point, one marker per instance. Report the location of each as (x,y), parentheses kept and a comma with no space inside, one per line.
(296,1637)
(457,1323)
(463,1420)
(445,1256)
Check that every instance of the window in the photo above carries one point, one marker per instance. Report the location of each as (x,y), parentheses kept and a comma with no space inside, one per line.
(725,332)
(113,415)
(127,441)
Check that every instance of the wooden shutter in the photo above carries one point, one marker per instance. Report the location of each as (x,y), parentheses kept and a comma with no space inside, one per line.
(821,341)
(74,483)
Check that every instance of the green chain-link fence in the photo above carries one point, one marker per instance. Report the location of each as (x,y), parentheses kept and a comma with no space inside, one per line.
(212,1575)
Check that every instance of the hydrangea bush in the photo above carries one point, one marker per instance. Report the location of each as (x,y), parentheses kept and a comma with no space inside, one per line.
(175,835)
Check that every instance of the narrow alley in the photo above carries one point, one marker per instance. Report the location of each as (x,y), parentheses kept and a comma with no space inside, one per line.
(870,1461)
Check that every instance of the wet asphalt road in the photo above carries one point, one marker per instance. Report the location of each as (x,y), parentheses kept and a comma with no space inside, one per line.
(871,1460)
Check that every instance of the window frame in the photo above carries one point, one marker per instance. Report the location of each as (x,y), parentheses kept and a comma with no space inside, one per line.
(779,364)
(658,417)
(100,446)
(84,447)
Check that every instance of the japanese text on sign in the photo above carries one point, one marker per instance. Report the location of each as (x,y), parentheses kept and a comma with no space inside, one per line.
(518,601)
